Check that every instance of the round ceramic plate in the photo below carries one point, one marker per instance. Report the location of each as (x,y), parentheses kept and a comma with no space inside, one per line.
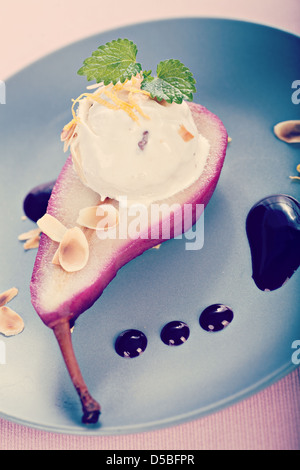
(244,74)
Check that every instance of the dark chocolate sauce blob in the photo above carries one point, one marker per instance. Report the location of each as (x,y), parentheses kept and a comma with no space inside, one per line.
(273,230)
(36,202)
(216,317)
(131,343)
(175,333)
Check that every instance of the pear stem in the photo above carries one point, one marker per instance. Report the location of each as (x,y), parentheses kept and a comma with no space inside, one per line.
(90,407)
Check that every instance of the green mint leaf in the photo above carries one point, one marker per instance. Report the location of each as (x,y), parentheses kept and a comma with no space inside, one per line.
(174,82)
(113,62)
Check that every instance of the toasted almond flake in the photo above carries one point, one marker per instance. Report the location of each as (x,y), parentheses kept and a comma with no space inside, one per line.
(8,295)
(73,251)
(68,131)
(32,243)
(101,217)
(288,131)
(52,227)
(185,134)
(11,323)
(30,234)
(296,178)
(157,247)
(229,139)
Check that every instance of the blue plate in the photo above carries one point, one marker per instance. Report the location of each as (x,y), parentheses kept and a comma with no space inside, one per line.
(244,74)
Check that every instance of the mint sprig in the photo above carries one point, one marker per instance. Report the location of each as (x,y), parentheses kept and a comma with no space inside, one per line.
(174,82)
(116,61)
(113,62)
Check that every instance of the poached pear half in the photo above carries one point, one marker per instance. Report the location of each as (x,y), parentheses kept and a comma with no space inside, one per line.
(59,296)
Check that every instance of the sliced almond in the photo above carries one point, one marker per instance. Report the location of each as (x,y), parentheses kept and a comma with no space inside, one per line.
(8,295)
(73,251)
(52,227)
(295,178)
(288,131)
(101,217)
(67,134)
(68,131)
(11,323)
(185,134)
(30,234)
(32,243)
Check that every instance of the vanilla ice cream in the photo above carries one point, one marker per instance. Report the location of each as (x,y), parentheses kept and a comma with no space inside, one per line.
(127,144)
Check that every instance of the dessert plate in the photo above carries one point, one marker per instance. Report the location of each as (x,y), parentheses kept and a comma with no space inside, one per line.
(244,74)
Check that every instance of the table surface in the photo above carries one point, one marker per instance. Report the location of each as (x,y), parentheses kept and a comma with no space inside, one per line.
(271,418)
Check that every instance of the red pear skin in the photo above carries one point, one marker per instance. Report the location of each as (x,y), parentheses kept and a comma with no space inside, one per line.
(60,297)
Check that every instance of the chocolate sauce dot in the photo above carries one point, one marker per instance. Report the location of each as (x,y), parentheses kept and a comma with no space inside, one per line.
(36,201)
(273,230)
(175,333)
(130,343)
(216,317)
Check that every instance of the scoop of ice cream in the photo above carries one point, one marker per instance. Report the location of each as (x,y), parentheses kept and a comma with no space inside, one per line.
(127,144)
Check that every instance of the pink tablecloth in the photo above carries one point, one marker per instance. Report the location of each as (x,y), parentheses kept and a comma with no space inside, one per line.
(271,418)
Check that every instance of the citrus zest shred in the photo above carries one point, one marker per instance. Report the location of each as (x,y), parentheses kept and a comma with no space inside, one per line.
(80,97)
(296,177)
(136,106)
(68,126)
(137,90)
(120,86)
(114,101)
(104,102)
(122,104)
